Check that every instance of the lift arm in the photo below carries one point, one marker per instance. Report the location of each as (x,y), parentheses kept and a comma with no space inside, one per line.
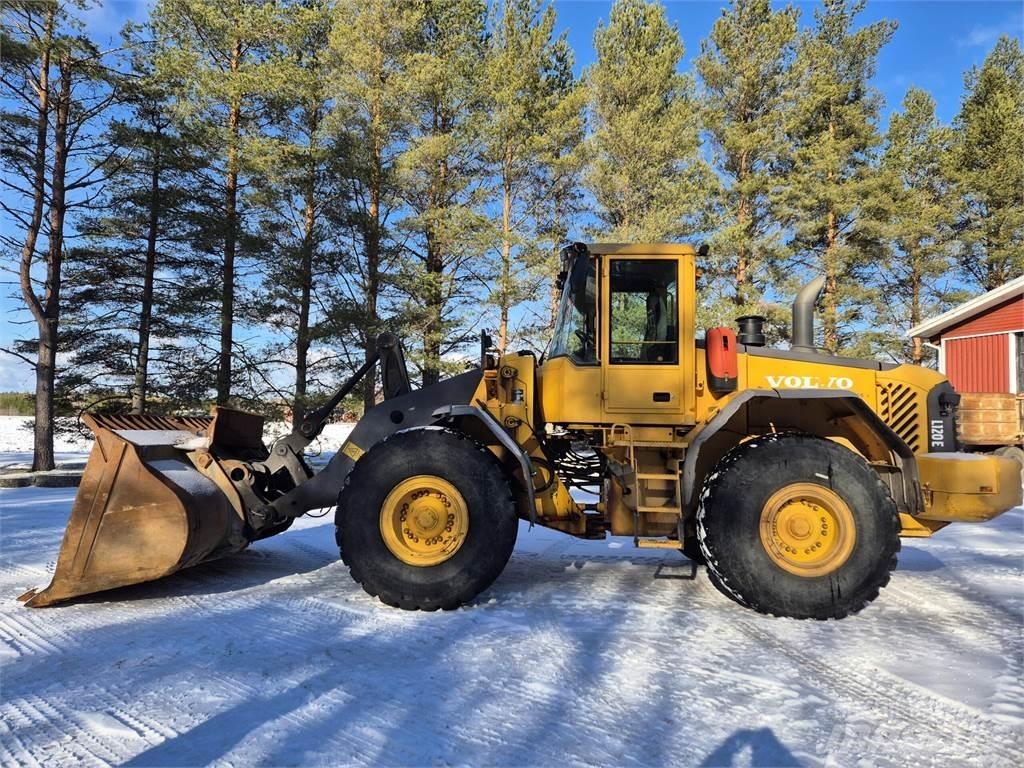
(286,453)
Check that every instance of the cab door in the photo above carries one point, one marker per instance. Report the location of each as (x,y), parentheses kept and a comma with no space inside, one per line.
(647,338)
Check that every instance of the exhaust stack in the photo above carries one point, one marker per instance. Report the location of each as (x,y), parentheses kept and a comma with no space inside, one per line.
(803,314)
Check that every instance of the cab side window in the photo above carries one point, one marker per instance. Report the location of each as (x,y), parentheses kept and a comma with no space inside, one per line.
(644,311)
(575,333)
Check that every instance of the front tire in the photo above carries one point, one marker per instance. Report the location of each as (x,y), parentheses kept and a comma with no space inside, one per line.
(426,520)
(796,525)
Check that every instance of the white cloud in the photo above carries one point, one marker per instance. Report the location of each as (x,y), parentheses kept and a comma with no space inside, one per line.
(15,375)
(984,36)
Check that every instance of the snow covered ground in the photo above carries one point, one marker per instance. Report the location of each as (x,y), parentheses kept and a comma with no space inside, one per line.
(581,653)
(72,444)
(16,444)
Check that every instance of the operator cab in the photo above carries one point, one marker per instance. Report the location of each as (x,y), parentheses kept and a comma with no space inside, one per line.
(623,336)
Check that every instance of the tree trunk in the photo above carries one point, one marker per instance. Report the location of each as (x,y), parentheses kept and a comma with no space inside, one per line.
(42,444)
(48,329)
(555,294)
(42,457)
(917,351)
(139,391)
(373,239)
(227,308)
(553,300)
(504,292)
(433,329)
(745,221)
(830,321)
(302,339)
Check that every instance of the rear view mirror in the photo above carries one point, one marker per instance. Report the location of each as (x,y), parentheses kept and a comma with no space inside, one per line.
(581,284)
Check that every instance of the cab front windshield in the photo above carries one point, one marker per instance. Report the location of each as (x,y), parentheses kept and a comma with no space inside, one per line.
(575,332)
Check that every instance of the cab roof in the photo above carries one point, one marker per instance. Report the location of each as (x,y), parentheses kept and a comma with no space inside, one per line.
(641,249)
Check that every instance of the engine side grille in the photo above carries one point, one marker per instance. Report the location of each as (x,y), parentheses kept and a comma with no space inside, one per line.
(901,408)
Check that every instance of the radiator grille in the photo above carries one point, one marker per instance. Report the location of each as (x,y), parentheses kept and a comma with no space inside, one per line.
(900,408)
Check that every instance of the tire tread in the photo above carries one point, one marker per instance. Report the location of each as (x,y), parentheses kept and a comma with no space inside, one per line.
(719,576)
(355,480)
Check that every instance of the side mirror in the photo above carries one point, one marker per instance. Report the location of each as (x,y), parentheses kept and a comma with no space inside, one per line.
(486,345)
(581,284)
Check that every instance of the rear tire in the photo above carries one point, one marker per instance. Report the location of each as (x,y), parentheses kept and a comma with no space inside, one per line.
(796,525)
(430,579)
(1014,452)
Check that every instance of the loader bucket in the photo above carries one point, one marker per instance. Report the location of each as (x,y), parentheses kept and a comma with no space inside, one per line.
(144,509)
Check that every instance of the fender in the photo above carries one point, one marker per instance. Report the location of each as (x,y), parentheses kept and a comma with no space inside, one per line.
(458,412)
(841,403)
(408,411)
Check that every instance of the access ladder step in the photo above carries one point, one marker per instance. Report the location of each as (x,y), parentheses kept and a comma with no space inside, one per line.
(656,476)
(657,544)
(645,443)
(661,510)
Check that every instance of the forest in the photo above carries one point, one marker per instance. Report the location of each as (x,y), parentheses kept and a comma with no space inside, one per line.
(231,203)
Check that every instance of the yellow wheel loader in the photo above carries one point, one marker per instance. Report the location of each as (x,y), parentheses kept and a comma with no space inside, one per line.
(792,474)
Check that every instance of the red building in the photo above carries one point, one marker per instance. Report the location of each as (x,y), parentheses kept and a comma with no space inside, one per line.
(981,342)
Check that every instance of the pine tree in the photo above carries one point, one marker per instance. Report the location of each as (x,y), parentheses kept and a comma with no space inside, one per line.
(745,66)
(300,177)
(27,69)
(835,201)
(56,95)
(646,173)
(441,176)
(215,55)
(529,79)
(551,191)
(129,265)
(915,274)
(373,43)
(560,173)
(989,167)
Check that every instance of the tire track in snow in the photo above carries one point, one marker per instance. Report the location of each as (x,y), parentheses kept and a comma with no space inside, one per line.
(150,730)
(923,598)
(362,742)
(13,749)
(974,618)
(24,624)
(682,643)
(300,634)
(960,723)
(56,732)
(39,715)
(679,656)
(24,637)
(295,621)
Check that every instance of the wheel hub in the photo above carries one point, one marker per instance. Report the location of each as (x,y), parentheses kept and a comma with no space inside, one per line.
(424,520)
(807,529)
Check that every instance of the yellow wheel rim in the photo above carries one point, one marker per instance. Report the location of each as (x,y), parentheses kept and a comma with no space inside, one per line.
(807,529)
(424,520)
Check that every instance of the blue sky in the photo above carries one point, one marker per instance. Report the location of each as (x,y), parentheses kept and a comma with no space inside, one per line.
(936,42)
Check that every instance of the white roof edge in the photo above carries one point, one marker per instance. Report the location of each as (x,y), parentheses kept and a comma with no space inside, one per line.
(930,328)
